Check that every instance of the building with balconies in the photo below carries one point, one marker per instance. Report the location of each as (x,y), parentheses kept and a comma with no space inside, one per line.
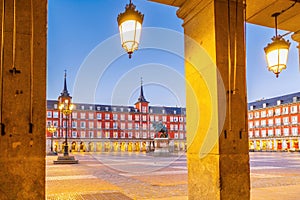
(273,124)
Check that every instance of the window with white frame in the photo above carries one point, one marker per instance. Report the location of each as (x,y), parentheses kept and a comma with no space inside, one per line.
(286,131)
(122,126)
(257,123)
(263,113)
(99,125)
(82,134)
(129,117)
(115,125)
(294,109)
(294,119)
(270,122)
(257,133)
(256,114)
(91,124)
(107,125)
(91,115)
(264,105)
(137,126)
(99,116)
(176,135)
(122,117)
(144,126)
(107,116)
(278,121)
(144,118)
(263,123)
(285,110)
(176,127)
(180,119)
(171,119)
(82,107)
(114,109)
(91,134)
(82,115)
(107,134)
(55,114)
(129,126)
(99,134)
(278,102)
(295,99)
(278,132)
(144,134)
(152,135)
(270,133)
(263,133)
(115,116)
(122,135)
(277,111)
(270,113)
(74,115)
(156,118)
(137,118)
(251,107)
(137,135)
(285,120)
(144,109)
(181,127)
(171,127)
(55,123)
(250,116)
(181,135)
(175,119)
(164,118)
(55,106)
(250,133)
(82,124)
(294,131)
(74,134)
(98,108)
(74,124)
(151,110)
(49,114)
(129,134)
(151,118)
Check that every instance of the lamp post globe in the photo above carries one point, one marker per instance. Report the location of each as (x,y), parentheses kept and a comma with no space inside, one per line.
(130,28)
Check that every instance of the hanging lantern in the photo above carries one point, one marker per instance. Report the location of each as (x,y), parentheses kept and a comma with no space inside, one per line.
(130,27)
(277,54)
(277,51)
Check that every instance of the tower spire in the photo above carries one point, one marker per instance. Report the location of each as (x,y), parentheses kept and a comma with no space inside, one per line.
(141,97)
(65,92)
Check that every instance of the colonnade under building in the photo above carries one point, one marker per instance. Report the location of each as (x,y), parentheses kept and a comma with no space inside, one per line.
(105,145)
(274,144)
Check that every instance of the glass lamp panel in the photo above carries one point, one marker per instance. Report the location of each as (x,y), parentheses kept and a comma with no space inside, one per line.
(130,31)
(277,59)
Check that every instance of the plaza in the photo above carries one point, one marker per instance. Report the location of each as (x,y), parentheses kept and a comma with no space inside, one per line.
(125,175)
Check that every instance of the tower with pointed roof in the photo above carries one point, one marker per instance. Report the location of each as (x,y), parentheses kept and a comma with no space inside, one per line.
(64,95)
(142,104)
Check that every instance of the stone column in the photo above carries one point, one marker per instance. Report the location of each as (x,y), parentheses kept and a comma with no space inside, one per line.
(22,99)
(218,159)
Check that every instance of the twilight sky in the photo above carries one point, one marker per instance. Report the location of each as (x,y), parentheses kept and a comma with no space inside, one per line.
(83,39)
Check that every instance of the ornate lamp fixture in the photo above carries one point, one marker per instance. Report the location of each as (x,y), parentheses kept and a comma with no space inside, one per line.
(277,51)
(130,27)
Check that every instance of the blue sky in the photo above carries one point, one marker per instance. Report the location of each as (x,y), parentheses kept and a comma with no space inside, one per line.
(86,31)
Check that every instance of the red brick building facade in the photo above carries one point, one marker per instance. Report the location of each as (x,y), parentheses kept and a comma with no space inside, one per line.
(95,127)
(273,124)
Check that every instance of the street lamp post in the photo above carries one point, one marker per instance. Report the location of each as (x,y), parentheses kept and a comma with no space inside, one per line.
(51,129)
(66,108)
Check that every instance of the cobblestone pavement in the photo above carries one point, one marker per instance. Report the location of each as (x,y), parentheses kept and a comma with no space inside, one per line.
(114,176)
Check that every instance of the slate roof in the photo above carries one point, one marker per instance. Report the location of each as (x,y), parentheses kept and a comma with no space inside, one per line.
(286,99)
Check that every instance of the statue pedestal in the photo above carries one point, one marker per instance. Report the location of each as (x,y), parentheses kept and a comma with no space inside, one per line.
(161,146)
